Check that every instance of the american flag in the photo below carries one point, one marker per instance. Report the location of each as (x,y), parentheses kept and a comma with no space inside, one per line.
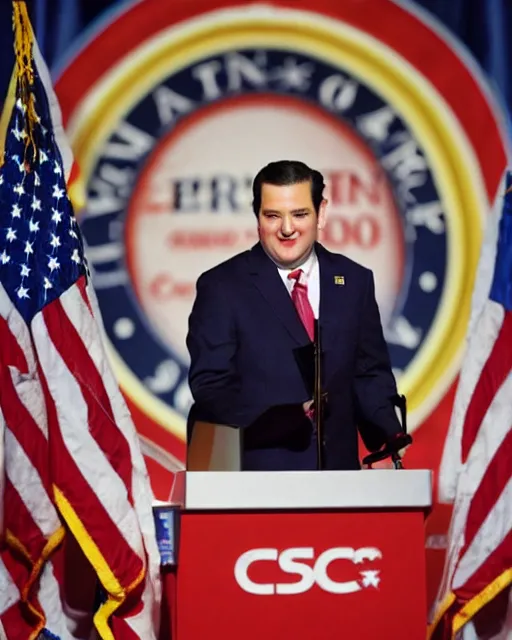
(476,470)
(71,461)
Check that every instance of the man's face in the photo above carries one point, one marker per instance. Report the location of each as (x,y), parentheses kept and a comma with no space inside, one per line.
(288,224)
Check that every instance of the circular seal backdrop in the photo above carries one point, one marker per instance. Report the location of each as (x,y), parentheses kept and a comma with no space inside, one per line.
(173,107)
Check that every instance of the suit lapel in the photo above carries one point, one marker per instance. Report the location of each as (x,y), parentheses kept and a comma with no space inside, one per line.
(267,280)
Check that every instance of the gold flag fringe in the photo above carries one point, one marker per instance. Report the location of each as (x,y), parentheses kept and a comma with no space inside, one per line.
(23,49)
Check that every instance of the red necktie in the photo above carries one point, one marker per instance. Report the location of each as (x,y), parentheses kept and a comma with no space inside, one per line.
(301,301)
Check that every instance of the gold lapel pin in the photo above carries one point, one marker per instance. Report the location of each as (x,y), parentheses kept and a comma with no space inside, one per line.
(339,280)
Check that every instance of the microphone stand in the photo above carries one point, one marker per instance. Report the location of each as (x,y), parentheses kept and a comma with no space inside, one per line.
(317,397)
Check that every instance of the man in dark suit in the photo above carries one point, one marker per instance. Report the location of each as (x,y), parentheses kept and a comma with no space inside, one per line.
(251,329)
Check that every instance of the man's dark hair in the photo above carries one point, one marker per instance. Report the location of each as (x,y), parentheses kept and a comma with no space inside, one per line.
(284,173)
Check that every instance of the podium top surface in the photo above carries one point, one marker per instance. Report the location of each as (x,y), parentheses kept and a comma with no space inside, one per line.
(368,489)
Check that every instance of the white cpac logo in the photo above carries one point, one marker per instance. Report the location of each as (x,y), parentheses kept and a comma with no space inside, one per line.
(289,562)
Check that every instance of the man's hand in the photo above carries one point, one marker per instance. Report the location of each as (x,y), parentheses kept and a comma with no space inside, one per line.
(307,406)
(382,464)
(309,410)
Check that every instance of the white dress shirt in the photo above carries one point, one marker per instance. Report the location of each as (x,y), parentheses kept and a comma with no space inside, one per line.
(311,276)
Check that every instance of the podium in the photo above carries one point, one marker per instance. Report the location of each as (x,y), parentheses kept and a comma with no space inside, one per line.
(302,555)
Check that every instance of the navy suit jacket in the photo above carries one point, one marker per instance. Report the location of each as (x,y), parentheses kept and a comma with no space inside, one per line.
(252,363)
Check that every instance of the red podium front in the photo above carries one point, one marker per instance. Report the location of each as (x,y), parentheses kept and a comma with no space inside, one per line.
(303,555)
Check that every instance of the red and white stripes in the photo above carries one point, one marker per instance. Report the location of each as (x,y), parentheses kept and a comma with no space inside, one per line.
(476,468)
